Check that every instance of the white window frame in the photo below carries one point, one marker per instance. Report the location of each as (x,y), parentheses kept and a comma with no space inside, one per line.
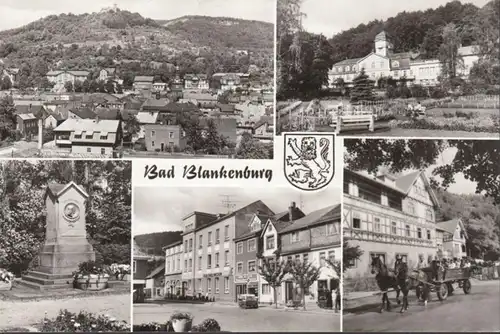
(226,284)
(294,237)
(249,249)
(238,245)
(237,267)
(254,266)
(217,284)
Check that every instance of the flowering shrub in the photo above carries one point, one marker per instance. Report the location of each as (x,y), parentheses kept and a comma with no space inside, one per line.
(119,270)
(207,325)
(6,276)
(181,316)
(89,268)
(154,327)
(83,322)
(490,124)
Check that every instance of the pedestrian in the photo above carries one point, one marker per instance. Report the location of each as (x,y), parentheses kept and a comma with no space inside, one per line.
(337,299)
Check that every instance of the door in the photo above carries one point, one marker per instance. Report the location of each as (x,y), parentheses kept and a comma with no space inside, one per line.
(288,291)
(162,147)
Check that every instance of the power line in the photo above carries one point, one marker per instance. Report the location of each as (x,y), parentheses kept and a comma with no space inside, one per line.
(228,202)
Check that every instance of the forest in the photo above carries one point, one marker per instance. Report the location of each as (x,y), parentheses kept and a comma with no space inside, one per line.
(154,242)
(23,216)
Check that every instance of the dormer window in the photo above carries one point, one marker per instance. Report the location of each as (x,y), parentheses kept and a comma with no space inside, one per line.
(395,63)
(347,68)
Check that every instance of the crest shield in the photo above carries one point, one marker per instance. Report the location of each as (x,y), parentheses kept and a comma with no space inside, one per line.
(309,159)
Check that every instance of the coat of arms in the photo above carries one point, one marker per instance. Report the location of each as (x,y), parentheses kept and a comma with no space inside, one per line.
(309,159)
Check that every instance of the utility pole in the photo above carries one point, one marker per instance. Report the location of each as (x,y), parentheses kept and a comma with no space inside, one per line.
(228,202)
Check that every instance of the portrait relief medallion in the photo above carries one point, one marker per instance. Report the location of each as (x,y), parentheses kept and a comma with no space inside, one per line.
(71,212)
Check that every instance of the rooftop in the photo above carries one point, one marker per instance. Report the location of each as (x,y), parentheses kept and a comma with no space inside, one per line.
(105,125)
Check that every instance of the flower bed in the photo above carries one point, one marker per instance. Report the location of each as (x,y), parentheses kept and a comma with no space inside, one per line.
(90,276)
(83,322)
(489,124)
(6,278)
(179,322)
(119,271)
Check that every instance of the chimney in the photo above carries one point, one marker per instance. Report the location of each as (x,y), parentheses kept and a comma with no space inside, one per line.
(291,208)
(40,133)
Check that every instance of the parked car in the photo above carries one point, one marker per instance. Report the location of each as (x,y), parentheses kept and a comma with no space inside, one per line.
(248,301)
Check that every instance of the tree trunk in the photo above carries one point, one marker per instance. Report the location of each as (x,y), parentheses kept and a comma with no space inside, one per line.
(304,298)
(275,297)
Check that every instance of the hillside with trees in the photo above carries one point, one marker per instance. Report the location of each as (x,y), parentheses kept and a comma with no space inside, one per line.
(153,242)
(432,33)
(481,219)
(136,46)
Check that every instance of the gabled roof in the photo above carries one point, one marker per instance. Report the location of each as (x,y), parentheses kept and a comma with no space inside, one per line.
(382,36)
(348,61)
(26,117)
(105,113)
(143,79)
(84,113)
(155,103)
(105,125)
(157,271)
(55,190)
(405,183)
(147,117)
(29,109)
(451,225)
(316,217)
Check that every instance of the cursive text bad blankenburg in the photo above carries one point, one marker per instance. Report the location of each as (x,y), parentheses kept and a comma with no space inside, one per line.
(192,172)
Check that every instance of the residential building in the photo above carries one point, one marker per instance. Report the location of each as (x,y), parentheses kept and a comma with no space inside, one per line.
(144,118)
(226,127)
(388,216)
(80,113)
(155,280)
(210,255)
(143,83)
(313,238)
(173,269)
(270,241)
(27,124)
(159,86)
(196,81)
(383,62)
(453,238)
(89,136)
(12,74)
(107,74)
(202,100)
(155,104)
(60,77)
(53,120)
(141,267)
(263,130)
(164,138)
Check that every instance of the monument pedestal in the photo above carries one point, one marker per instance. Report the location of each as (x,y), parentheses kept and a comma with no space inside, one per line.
(66,244)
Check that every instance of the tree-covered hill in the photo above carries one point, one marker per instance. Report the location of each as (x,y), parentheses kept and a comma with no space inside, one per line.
(417,31)
(223,32)
(153,242)
(481,218)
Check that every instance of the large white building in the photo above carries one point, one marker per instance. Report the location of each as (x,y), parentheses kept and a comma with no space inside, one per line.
(383,62)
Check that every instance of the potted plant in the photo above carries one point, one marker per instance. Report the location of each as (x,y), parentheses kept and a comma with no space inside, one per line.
(181,321)
(120,271)
(6,278)
(90,276)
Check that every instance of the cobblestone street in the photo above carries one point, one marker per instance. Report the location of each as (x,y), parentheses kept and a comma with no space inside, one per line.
(231,318)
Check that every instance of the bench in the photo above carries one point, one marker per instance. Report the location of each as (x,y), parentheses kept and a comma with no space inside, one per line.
(353,122)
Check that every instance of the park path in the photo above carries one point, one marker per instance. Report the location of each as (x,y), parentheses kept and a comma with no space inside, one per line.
(29,313)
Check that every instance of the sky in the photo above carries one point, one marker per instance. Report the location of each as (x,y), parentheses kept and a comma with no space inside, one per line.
(162,209)
(15,13)
(330,17)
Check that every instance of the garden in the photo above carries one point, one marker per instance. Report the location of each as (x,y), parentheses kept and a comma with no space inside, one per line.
(82,322)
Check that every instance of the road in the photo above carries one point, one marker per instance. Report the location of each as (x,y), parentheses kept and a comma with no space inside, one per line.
(29,313)
(233,319)
(458,313)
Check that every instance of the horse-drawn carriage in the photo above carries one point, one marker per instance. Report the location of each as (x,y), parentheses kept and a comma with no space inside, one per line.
(441,281)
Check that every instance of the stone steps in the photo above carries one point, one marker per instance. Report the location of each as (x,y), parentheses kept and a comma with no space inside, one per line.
(37,286)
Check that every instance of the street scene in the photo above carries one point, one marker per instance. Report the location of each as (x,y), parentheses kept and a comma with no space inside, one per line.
(64,249)
(132,81)
(409,72)
(211,255)
(413,242)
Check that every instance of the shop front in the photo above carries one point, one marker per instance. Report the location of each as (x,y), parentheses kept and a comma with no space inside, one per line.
(327,283)
(173,286)
(246,284)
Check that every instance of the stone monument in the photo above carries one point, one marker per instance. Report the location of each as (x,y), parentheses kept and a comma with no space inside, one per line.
(66,244)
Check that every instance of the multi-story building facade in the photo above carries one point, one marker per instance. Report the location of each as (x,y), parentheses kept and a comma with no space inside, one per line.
(162,138)
(173,269)
(383,62)
(453,238)
(209,250)
(60,78)
(196,81)
(388,216)
(313,238)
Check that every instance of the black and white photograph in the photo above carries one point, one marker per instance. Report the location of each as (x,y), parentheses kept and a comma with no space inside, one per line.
(212,259)
(65,236)
(160,79)
(421,225)
(389,68)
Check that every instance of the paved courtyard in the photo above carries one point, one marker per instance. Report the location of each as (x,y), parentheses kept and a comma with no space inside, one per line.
(233,319)
(29,313)
(478,311)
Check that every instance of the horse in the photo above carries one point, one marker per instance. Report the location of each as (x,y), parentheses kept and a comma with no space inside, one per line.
(403,281)
(385,280)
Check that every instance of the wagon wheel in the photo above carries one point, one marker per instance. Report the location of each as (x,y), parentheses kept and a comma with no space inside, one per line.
(442,291)
(466,285)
